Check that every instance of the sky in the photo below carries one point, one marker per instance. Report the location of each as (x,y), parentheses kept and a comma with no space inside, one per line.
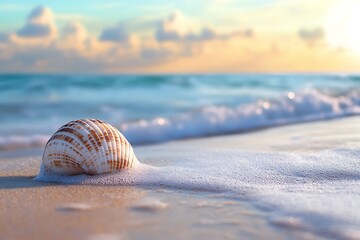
(184,36)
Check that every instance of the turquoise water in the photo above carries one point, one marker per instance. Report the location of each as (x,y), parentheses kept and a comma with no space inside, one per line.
(154,108)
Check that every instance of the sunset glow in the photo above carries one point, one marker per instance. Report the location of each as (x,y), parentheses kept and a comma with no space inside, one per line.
(343,25)
(180,36)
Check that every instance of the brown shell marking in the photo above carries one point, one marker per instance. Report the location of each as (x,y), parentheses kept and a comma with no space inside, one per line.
(88,146)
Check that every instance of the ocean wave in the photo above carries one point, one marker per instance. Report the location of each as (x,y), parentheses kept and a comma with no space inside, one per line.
(22,142)
(306,105)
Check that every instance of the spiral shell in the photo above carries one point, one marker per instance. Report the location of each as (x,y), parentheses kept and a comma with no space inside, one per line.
(88,146)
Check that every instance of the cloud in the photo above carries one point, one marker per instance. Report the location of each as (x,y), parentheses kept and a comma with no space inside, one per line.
(175,37)
(173,28)
(115,34)
(209,34)
(75,37)
(178,27)
(249,33)
(48,59)
(175,43)
(162,35)
(156,54)
(311,36)
(40,24)
(34,30)
(4,38)
(75,31)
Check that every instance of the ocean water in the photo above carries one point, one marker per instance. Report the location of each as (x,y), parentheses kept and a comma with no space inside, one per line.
(155,108)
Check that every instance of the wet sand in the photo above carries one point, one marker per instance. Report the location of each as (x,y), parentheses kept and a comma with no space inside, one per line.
(36,210)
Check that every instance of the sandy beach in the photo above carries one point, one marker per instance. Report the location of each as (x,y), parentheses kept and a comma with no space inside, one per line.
(209,119)
(57,211)
(42,210)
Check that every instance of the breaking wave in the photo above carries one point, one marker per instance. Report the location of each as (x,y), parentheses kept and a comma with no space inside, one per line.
(294,107)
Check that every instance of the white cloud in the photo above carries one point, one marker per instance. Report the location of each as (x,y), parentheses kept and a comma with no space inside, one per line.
(175,27)
(174,38)
(40,24)
(75,32)
(178,27)
(39,47)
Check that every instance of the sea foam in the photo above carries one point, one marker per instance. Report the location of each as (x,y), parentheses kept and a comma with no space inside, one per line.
(306,105)
(317,193)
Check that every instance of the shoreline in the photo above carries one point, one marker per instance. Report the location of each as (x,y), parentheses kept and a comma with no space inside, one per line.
(62,211)
(58,211)
(37,151)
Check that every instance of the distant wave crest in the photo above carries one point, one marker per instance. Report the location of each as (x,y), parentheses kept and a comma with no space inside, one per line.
(306,105)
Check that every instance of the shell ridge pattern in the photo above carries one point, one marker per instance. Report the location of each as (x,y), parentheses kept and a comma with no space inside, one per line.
(102,139)
(61,139)
(112,134)
(123,164)
(59,143)
(66,162)
(54,160)
(115,143)
(87,146)
(87,142)
(80,137)
(128,152)
(92,136)
(112,156)
(95,132)
(107,144)
(117,148)
(123,147)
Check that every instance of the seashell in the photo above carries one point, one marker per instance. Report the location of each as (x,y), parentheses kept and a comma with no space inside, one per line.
(88,146)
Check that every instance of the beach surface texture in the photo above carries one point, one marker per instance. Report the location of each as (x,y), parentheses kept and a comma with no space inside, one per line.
(292,182)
